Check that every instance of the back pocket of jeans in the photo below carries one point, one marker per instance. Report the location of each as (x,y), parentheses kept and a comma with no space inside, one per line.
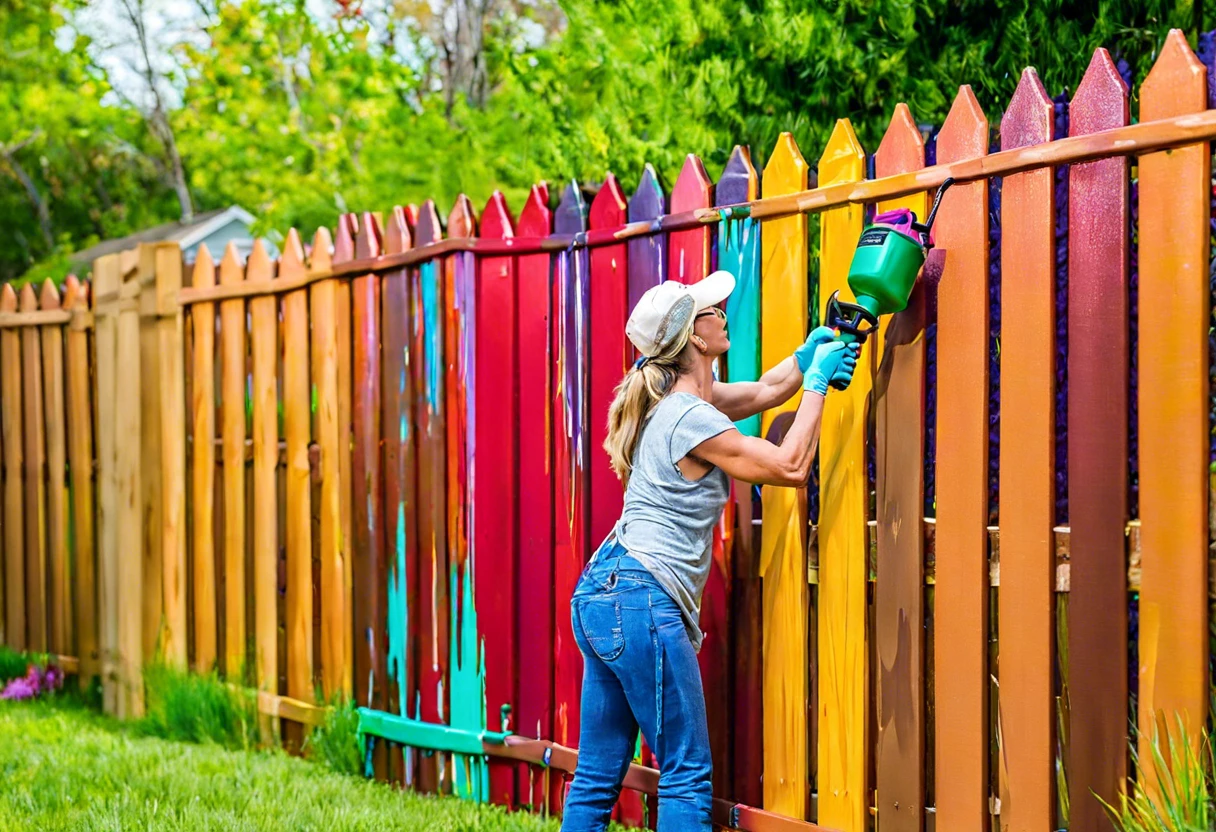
(599,617)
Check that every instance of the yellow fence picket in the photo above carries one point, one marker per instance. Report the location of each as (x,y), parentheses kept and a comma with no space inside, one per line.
(149,452)
(172,418)
(843,551)
(34,437)
(782,544)
(128,572)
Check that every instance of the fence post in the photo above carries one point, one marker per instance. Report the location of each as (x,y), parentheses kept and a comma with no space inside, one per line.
(172,405)
(107,277)
(128,426)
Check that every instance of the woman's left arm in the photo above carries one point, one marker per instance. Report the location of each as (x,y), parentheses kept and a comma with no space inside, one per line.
(741,399)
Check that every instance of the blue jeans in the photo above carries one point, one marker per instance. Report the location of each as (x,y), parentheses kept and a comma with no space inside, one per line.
(639,669)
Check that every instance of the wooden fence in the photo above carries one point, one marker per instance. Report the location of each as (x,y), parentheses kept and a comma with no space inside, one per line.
(388,475)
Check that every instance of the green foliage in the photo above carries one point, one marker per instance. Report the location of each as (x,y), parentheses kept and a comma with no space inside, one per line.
(66,768)
(299,111)
(191,708)
(336,744)
(1183,772)
(12,663)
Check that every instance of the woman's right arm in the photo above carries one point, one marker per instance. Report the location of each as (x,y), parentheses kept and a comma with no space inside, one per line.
(755,460)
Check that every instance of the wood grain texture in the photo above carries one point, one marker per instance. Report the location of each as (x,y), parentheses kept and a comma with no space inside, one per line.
(1098,368)
(647,256)
(1173,435)
(1027,465)
(535,579)
(80,464)
(844,723)
(782,562)
(335,661)
(171,408)
(264,344)
(107,275)
(371,680)
(202,474)
(233,358)
(129,572)
(899,403)
(34,436)
(14,456)
(569,392)
(400,491)
(495,483)
(149,455)
(739,253)
(297,424)
(59,615)
(428,346)
(961,477)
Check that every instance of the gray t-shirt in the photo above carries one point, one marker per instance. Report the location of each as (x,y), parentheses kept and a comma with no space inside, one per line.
(668,521)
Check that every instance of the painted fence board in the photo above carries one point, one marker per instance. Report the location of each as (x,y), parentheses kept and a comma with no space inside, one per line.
(428,345)
(899,403)
(647,256)
(400,497)
(612,353)
(202,380)
(468,704)
(344,251)
(368,514)
(535,580)
(1173,435)
(739,254)
(569,393)
(233,363)
(1027,465)
(34,435)
(961,477)
(495,484)
(782,566)
(690,262)
(843,551)
(1098,367)
(107,275)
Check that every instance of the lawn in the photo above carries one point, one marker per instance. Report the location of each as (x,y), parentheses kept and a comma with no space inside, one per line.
(64,767)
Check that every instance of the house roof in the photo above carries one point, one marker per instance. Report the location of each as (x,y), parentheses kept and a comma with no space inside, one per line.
(184,234)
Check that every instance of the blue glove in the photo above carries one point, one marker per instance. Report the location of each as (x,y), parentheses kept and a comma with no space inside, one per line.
(805,353)
(831,361)
(843,376)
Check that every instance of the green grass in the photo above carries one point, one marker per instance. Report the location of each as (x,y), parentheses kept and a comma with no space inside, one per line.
(1186,788)
(66,768)
(195,708)
(336,743)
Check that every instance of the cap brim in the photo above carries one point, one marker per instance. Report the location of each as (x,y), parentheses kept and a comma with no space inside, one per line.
(713,289)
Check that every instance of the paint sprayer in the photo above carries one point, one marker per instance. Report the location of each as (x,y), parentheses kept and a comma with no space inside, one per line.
(888,258)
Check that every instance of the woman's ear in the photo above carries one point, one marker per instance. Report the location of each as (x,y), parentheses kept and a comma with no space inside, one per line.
(699,342)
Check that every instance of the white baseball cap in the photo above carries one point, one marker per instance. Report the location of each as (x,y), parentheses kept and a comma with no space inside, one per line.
(664,310)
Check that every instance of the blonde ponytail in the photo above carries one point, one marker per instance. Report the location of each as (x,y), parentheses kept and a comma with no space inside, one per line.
(637,394)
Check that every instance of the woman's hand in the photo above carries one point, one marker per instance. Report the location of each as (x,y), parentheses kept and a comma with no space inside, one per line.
(817,337)
(832,362)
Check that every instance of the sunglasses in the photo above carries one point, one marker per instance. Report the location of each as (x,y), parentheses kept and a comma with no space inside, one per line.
(713,310)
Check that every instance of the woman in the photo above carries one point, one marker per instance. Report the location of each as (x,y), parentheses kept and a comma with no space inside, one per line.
(636,607)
